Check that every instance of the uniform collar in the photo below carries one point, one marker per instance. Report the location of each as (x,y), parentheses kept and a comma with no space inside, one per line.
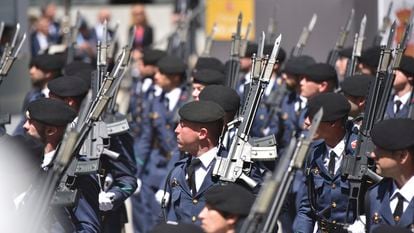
(208,157)
(404,99)
(338,149)
(406,191)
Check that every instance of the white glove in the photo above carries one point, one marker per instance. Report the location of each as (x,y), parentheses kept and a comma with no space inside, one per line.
(108,182)
(105,201)
(139,186)
(160,194)
(358,226)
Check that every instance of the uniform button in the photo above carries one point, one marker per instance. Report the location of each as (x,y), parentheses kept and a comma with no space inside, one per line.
(194,218)
(195,201)
(333,204)
(333,186)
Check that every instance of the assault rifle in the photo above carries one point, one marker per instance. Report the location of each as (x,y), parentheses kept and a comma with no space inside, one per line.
(271,27)
(357,49)
(340,42)
(89,121)
(357,167)
(266,209)
(234,66)
(244,151)
(245,41)
(386,22)
(73,35)
(304,36)
(10,51)
(209,41)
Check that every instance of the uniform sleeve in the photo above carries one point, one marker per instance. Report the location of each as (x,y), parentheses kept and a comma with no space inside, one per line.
(86,215)
(303,222)
(143,149)
(123,169)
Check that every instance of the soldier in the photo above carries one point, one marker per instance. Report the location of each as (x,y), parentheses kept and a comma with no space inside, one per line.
(356,89)
(391,200)
(43,68)
(197,134)
(245,68)
(47,120)
(143,89)
(318,78)
(226,207)
(119,173)
(369,60)
(325,198)
(158,141)
(400,101)
(203,78)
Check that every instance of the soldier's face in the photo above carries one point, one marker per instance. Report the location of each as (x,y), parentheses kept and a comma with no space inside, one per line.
(340,65)
(387,162)
(400,81)
(162,80)
(36,75)
(308,88)
(35,129)
(187,137)
(290,80)
(197,88)
(213,222)
(245,63)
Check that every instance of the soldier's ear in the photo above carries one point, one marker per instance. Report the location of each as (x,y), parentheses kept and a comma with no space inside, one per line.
(202,134)
(405,157)
(50,130)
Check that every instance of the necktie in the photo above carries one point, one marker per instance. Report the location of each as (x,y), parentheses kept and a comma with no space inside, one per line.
(399,209)
(331,165)
(191,174)
(398,104)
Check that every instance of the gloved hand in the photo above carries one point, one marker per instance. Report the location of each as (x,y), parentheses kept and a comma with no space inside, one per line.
(108,182)
(139,185)
(159,195)
(105,201)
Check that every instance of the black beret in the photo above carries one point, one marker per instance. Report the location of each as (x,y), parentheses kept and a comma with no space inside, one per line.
(407,66)
(281,56)
(47,62)
(50,112)
(68,86)
(209,77)
(320,72)
(225,96)
(171,65)
(211,63)
(152,56)
(85,75)
(201,112)
(371,56)
(75,67)
(345,52)
(298,65)
(230,198)
(357,85)
(394,134)
(335,106)
(177,228)
(250,49)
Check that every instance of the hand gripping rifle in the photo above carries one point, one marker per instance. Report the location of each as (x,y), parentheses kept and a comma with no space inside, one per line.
(243,151)
(357,49)
(268,204)
(234,67)
(357,167)
(304,36)
(340,42)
